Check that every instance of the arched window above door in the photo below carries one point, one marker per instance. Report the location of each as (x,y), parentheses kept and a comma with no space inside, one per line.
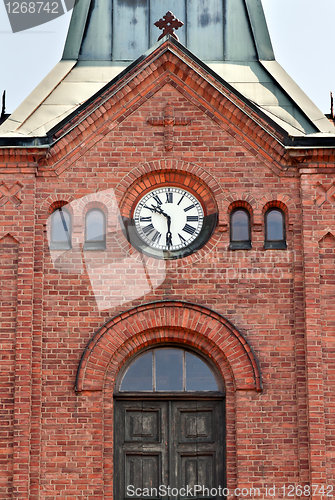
(168,369)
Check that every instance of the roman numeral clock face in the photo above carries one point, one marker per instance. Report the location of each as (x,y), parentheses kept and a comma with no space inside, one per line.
(169,219)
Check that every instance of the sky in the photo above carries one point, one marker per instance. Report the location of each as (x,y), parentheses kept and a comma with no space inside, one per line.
(301,31)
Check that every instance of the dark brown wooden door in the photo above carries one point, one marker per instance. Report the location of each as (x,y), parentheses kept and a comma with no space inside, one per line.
(175,443)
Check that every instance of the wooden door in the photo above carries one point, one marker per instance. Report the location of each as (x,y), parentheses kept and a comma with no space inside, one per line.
(196,445)
(175,443)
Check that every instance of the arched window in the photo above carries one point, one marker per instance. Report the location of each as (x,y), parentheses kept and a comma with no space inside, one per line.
(275,229)
(95,230)
(60,230)
(240,229)
(168,369)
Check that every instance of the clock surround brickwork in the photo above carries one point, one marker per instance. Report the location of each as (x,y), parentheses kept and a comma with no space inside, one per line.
(171,177)
(53,438)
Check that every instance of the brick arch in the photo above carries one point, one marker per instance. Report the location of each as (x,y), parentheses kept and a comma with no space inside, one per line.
(233,201)
(158,337)
(283,202)
(241,204)
(103,200)
(172,165)
(275,204)
(170,321)
(94,205)
(55,201)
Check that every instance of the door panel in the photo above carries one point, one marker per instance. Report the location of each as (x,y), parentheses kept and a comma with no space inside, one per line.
(197,470)
(196,426)
(173,443)
(142,425)
(141,446)
(142,471)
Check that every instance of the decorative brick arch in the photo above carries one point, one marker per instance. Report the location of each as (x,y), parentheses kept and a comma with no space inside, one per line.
(281,201)
(167,321)
(157,168)
(55,201)
(237,200)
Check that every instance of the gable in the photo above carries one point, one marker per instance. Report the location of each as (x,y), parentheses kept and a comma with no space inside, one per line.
(223,109)
(262,87)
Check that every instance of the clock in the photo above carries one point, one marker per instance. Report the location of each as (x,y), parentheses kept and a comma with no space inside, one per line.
(169,222)
(168,218)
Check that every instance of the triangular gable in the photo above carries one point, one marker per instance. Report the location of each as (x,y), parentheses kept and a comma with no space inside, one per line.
(118,100)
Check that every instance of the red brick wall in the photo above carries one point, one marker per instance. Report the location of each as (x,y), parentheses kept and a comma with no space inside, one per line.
(253,289)
(65,439)
(8,302)
(327,296)
(318,218)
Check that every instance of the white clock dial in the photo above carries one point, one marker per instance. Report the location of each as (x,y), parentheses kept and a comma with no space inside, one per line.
(168,218)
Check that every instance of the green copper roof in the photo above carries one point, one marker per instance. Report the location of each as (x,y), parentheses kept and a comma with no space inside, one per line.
(214,30)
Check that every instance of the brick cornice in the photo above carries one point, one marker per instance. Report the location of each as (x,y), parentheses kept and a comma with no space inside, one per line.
(21,160)
(176,321)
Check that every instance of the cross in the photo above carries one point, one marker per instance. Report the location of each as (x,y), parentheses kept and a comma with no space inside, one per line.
(168,24)
(9,194)
(168,123)
(323,194)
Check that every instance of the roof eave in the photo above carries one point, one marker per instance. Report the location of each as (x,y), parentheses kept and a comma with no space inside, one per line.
(166,44)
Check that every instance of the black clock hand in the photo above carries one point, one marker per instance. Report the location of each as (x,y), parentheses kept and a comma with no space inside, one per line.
(169,234)
(160,211)
(149,208)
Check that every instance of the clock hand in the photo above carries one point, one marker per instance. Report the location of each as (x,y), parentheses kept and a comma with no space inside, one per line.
(149,208)
(169,234)
(159,211)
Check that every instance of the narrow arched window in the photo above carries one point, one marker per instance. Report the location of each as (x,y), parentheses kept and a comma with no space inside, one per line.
(240,229)
(95,230)
(275,229)
(60,230)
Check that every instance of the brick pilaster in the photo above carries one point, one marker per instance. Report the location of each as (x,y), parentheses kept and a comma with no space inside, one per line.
(23,356)
(313,338)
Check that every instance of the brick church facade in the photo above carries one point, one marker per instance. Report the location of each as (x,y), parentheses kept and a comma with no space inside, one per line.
(252,298)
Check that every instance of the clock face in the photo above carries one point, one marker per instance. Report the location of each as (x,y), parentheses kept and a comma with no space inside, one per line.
(168,218)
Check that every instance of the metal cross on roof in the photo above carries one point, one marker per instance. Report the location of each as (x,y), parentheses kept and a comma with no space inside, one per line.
(168,24)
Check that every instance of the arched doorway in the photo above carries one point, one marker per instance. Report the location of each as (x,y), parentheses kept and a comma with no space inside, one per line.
(169,426)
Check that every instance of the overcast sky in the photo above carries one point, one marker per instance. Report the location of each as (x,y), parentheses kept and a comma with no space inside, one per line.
(302,33)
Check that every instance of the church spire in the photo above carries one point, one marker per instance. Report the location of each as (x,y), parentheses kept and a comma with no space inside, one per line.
(123,30)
